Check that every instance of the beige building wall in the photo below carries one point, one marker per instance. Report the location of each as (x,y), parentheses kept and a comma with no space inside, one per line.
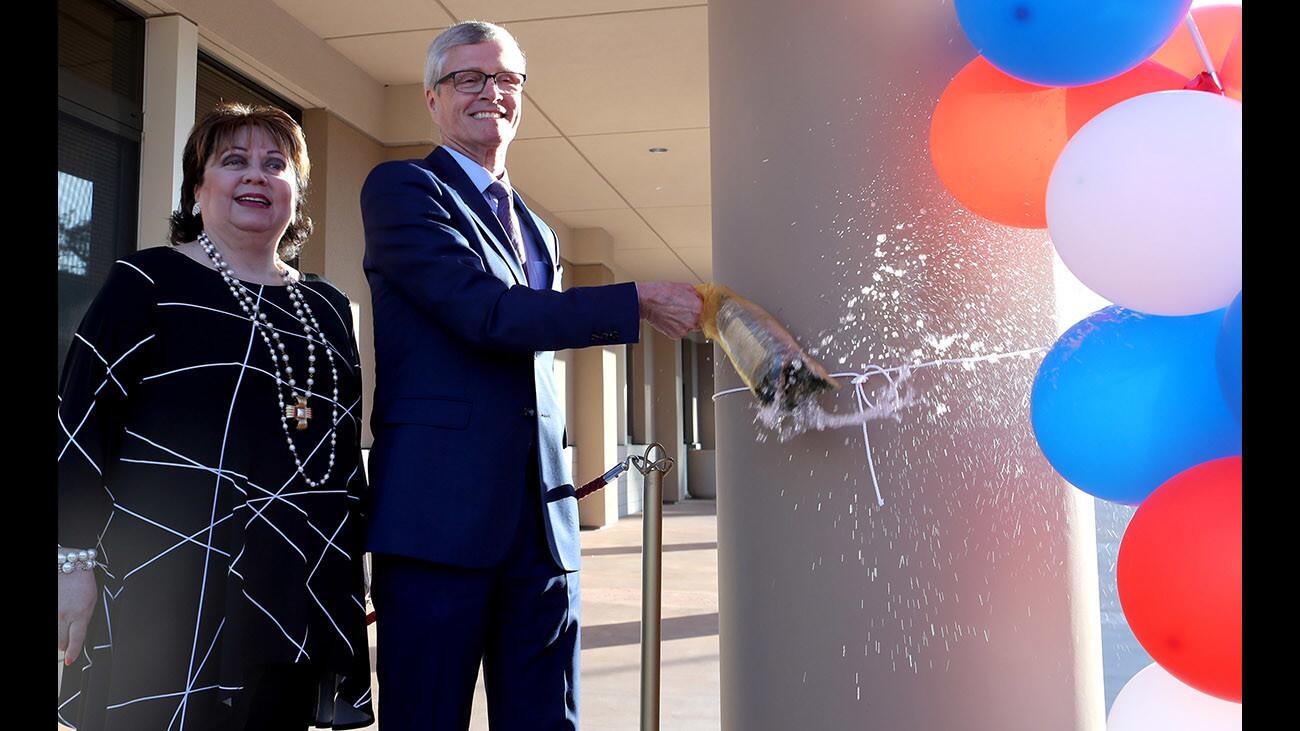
(342,156)
(407,152)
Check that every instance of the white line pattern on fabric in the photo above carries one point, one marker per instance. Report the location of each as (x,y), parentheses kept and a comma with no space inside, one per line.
(239,316)
(216,491)
(138,269)
(271,617)
(310,576)
(158,697)
(206,546)
(103,360)
(174,546)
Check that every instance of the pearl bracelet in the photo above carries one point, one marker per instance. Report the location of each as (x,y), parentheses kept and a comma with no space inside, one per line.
(71,559)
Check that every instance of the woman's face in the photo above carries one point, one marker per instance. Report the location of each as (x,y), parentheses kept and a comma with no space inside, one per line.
(249,188)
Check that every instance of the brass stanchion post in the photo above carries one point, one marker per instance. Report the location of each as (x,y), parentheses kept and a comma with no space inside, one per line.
(652,543)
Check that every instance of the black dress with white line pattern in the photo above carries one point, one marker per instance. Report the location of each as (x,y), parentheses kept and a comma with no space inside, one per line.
(217,555)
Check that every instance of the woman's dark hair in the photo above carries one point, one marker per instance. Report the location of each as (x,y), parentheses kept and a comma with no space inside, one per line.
(210,134)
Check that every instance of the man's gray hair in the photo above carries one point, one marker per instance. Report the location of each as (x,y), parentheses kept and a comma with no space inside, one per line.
(466,33)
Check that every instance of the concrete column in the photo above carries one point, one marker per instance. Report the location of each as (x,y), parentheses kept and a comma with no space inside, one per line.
(171,58)
(593,413)
(969,600)
(667,408)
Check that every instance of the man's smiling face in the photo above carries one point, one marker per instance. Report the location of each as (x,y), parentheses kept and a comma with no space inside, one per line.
(480,123)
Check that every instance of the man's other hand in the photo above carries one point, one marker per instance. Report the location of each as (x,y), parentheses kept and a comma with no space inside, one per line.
(673,308)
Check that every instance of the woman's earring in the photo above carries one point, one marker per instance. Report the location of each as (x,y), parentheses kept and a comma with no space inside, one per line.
(195,210)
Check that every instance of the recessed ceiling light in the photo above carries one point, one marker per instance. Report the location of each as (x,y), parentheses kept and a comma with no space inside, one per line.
(658,150)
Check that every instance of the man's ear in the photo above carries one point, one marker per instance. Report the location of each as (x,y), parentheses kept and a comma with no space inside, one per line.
(430,99)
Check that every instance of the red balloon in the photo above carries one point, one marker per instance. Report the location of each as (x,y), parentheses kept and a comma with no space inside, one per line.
(1082,103)
(1180,576)
(1218,25)
(1230,72)
(993,141)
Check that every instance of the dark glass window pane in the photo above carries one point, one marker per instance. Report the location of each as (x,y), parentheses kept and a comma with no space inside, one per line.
(217,84)
(98,172)
(100,110)
(103,44)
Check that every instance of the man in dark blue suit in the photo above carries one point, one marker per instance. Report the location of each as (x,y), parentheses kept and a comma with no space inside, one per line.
(473,516)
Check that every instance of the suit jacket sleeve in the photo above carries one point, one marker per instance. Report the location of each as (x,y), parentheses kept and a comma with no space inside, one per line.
(413,244)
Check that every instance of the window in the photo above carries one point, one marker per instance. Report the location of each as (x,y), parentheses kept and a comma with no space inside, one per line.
(690,392)
(216,84)
(100,114)
(630,384)
(75,198)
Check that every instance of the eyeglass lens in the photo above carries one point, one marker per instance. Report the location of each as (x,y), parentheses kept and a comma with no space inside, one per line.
(475,81)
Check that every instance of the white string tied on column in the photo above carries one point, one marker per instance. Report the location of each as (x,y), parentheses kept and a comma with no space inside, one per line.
(859,380)
(860,396)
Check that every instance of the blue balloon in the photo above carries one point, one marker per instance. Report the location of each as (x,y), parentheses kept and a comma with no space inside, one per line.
(1069,42)
(1229,357)
(1124,401)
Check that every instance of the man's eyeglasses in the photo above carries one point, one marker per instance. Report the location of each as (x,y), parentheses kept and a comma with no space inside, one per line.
(472,82)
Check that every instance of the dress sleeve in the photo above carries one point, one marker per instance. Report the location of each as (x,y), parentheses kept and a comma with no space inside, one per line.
(99,374)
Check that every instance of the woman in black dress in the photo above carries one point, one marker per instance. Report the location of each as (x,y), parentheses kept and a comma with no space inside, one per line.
(210,485)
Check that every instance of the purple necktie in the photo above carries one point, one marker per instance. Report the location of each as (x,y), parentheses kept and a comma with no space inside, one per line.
(506,214)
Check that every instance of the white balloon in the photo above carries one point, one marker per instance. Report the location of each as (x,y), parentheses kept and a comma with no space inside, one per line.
(1154,700)
(1144,203)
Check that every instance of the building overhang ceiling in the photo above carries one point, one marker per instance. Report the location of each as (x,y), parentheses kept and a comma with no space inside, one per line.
(607,81)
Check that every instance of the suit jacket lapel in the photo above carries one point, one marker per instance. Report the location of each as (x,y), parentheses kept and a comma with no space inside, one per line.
(536,225)
(448,170)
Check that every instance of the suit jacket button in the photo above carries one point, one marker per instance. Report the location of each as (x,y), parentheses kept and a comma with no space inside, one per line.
(530,412)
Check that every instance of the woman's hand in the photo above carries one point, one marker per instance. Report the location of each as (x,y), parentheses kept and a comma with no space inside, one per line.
(77,594)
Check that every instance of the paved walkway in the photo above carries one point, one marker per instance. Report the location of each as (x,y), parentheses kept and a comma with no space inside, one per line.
(611,624)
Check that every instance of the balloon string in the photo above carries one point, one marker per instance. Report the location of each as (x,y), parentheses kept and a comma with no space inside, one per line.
(863,403)
(1200,48)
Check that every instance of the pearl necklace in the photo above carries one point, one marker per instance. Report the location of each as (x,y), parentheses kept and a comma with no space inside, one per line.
(299,410)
